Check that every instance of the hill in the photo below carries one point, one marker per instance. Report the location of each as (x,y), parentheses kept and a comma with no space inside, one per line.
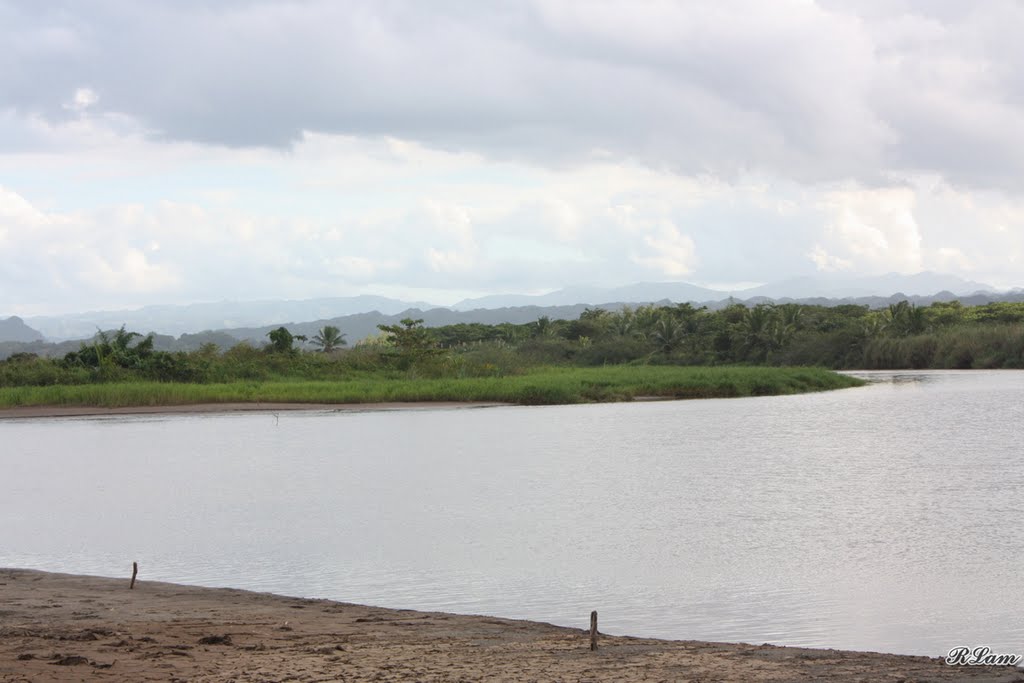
(14,329)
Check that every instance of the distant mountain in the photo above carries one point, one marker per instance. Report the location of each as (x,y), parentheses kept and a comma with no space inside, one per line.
(361,325)
(831,287)
(14,329)
(639,292)
(920,284)
(176,320)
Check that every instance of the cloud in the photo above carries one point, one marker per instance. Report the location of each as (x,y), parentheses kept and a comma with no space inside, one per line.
(16,211)
(105,217)
(83,99)
(812,92)
(71,255)
(826,262)
(874,229)
(923,224)
(671,253)
(123,269)
(480,229)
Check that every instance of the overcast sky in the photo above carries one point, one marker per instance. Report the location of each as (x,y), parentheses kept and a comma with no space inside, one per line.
(197,150)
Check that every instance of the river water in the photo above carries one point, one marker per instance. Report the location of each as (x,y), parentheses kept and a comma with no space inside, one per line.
(882,518)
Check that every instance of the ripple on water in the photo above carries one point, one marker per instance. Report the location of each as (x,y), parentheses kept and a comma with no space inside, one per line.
(882,518)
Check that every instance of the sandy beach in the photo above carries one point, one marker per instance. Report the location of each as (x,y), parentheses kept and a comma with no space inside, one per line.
(60,627)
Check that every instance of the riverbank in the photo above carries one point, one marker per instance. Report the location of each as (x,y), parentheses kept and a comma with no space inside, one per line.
(60,627)
(538,386)
(45,411)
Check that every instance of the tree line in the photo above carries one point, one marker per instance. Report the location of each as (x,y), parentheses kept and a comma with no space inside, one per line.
(902,335)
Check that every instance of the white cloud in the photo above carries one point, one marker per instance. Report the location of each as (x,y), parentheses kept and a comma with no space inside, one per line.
(16,212)
(123,269)
(923,224)
(874,229)
(355,268)
(450,260)
(671,253)
(826,262)
(341,215)
(563,218)
(83,99)
(952,259)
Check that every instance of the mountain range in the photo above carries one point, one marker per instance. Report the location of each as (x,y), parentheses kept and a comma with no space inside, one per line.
(834,287)
(184,319)
(187,326)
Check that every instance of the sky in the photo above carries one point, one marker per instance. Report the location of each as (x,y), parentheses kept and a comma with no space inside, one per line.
(176,151)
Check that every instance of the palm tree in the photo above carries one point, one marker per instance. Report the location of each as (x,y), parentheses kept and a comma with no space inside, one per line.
(904,319)
(329,338)
(644,320)
(543,327)
(624,323)
(757,330)
(668,334)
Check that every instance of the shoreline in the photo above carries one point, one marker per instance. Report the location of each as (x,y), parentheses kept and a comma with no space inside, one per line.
(64,627)
(28,412)
(542,385)
(53,411)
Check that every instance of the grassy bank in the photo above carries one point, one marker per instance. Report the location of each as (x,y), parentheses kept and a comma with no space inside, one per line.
(539,386)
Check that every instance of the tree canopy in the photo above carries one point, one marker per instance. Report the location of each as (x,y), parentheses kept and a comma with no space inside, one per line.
(328,338)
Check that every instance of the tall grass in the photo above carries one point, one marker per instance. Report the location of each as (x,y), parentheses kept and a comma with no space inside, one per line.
(540,386)
(962,347)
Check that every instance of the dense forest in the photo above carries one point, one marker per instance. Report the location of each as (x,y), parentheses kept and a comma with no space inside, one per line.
(941,335)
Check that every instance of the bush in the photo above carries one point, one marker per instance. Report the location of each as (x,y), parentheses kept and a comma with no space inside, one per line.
(363,357)
(548,351)
(613,351)
(25,370)
(493,359)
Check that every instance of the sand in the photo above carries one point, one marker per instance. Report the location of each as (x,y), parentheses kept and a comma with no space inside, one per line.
(203,408)
(59,627)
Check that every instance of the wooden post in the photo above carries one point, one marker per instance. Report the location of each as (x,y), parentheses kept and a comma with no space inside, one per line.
(593,630)
(135,572)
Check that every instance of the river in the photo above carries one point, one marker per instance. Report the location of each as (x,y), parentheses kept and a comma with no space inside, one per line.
(882,518)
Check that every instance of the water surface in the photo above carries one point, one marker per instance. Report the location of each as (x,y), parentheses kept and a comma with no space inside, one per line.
(881,518)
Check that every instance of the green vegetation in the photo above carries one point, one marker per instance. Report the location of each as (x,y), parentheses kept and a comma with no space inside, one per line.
(677,351)
(281,340)
(328,338)
(540,386)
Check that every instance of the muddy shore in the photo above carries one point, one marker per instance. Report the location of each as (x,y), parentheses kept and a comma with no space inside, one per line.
(60,627)
(206,408)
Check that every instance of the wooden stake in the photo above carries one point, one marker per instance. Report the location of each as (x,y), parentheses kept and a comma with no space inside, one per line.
(135,572)
(593,630)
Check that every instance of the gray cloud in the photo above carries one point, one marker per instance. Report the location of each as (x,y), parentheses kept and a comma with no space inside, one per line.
(809,92)
(188,150)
